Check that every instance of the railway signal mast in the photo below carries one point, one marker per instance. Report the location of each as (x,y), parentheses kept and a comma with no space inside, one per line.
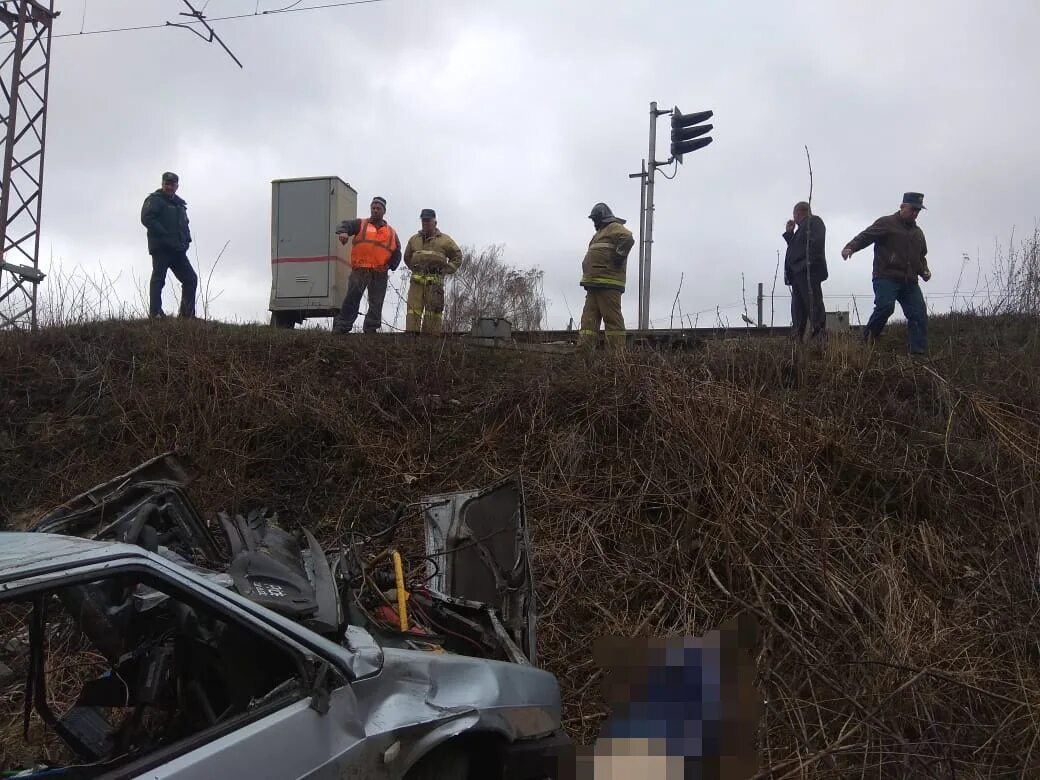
(688,135)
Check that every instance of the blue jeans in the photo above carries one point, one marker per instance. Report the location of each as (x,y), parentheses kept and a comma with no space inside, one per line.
(911,300)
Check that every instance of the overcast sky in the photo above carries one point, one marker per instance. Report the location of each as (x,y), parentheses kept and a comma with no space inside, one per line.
(513,118)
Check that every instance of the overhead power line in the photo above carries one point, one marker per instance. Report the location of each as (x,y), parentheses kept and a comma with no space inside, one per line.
(200,18)
(255,14)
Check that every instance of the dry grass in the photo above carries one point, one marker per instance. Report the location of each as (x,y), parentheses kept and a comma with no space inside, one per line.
(69,664)
(880,517)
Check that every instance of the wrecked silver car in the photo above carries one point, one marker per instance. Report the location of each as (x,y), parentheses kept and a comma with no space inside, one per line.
(152,646)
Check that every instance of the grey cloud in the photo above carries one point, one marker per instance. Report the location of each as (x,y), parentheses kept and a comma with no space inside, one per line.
(512,119)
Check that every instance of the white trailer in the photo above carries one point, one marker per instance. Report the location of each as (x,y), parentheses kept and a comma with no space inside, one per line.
(309,267)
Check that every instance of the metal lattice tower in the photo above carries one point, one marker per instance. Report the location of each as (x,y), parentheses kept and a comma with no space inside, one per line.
(25,49)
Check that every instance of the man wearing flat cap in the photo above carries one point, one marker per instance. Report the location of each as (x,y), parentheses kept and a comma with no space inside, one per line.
(165,216)
(429,255)
(603,273)
(376,251)
(900,257)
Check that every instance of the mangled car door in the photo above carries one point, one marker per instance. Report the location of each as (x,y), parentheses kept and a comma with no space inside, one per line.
(477,543)
(173,681)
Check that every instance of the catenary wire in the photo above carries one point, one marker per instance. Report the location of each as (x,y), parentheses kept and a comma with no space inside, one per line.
(255,14)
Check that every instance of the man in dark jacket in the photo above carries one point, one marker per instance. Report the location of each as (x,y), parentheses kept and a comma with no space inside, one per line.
(900,257)
(805,270)
(165,215)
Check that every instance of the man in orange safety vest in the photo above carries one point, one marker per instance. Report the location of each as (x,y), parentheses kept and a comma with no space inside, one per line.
(376,252)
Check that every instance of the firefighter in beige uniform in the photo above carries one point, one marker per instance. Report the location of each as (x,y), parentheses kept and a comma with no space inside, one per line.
(430,255)
(603,277)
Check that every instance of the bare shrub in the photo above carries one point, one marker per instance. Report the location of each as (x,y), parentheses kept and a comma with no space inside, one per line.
(1015,287)
(73,296)
(485,286)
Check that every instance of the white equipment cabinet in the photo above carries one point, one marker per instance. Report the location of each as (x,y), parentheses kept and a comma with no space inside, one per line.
(309,267)
(838,321)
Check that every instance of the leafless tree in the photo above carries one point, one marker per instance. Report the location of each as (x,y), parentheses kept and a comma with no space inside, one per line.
(485,286)
(1015,288)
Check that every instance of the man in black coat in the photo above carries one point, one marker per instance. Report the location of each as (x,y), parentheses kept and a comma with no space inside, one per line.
(805,270)
(165,215)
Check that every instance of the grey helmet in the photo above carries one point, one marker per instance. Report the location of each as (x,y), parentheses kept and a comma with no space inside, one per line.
(601,212)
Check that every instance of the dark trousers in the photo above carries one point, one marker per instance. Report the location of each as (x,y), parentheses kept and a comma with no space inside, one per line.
(911,300)
(362,279)
(179,263)
(806,306)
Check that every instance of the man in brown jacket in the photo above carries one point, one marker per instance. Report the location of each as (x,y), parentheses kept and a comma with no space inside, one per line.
(900,252)
(429,255)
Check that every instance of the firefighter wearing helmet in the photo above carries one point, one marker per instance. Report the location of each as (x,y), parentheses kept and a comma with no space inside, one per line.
(603,277)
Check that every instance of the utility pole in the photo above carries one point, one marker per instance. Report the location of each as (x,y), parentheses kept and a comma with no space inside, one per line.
(648,241)
(648,218)
(25,26)
(642,224)
(761,302)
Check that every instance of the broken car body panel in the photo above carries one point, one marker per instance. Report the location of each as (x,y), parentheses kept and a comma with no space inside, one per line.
(374,700)
(379,723)
(480,538)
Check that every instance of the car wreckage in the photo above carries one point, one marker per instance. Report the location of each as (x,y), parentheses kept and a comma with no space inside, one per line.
(254,652)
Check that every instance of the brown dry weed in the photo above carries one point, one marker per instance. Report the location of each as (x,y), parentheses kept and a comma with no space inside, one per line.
(880,517)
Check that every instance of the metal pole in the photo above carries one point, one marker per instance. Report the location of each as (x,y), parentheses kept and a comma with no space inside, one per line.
(642,223)
(761,301)
(12,114)
(644,323)
(28,29)
(43,150)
